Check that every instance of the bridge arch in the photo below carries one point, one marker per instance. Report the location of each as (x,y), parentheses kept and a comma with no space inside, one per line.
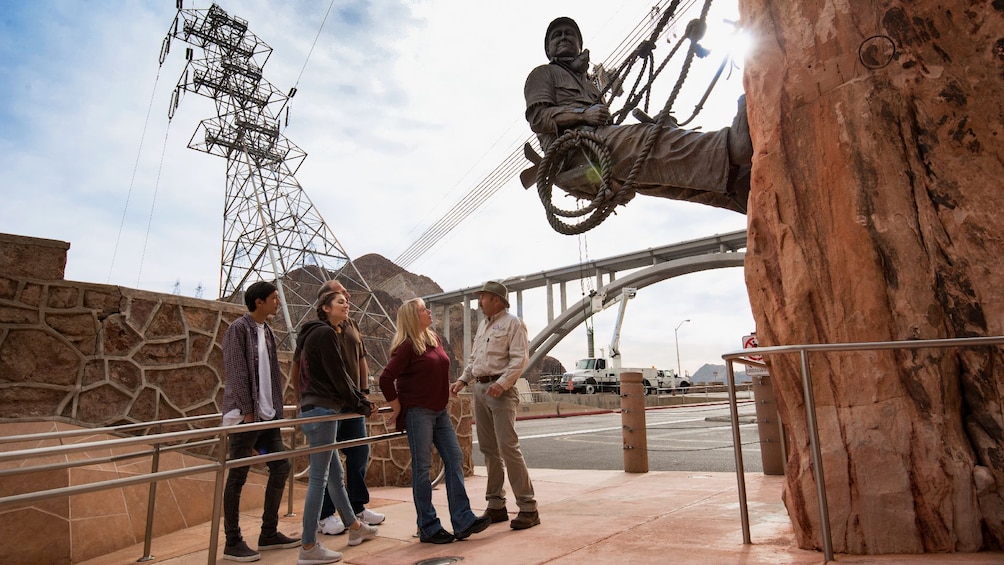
(575,315)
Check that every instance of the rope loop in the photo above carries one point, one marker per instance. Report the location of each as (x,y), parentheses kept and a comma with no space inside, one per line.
(598,156)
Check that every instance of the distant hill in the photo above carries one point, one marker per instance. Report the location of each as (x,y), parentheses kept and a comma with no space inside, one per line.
(716,373)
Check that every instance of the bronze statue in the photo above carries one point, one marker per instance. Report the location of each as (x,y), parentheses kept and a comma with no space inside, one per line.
(705,167)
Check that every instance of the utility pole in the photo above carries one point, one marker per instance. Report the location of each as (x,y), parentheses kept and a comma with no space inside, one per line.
(271,230)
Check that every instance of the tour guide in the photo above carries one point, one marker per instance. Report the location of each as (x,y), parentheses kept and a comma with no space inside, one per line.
(496,363)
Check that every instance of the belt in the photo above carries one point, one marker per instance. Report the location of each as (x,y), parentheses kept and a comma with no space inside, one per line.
(487,378)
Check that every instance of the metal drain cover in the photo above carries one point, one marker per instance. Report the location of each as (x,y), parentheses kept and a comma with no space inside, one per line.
(440,561)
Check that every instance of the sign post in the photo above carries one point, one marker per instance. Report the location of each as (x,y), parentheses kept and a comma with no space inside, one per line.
(768,422)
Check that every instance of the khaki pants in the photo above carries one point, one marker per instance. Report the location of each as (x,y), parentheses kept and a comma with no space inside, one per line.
(495,419)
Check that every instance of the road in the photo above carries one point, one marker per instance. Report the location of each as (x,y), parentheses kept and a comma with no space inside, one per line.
(685,438)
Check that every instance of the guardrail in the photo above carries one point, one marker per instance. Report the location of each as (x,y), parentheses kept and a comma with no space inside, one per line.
(163,442)
(803,351)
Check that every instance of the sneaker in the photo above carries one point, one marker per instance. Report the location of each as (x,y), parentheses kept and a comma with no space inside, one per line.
(240,552)
(332,526)
(440,537)
(317,555)
(370,517)
(362,534)
(277,540)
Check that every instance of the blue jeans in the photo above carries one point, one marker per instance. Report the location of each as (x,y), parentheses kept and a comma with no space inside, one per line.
(356,460)
(325,469)
(425,429)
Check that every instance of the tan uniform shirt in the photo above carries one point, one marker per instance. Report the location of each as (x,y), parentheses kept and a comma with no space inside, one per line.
(500,348)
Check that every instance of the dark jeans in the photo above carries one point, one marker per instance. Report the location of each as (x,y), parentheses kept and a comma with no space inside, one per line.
(356,460)
(244,445)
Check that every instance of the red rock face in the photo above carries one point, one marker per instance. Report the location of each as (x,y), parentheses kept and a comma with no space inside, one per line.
(874,216)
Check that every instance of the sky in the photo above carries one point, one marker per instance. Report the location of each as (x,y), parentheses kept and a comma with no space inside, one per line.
(401,106)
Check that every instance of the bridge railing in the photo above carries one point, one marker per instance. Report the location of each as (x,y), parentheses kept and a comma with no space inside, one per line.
(803,351)
(156,444)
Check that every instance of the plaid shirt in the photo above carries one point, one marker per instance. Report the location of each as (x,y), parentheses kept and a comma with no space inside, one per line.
(240,363)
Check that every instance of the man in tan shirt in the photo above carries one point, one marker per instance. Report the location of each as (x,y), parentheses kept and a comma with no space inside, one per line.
(497,360)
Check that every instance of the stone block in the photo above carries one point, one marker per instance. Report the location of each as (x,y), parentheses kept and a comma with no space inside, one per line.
(201,319)
(139,312)
(144,409)
(185,387)
(63,297)
(126,374)
(31,294)
(102,405)
(106,302)
(15,315)
(119,337)
(8,288)
(94,372)
(166,322)
(74,326)
(30,356)
(32,257)
(172,353)
(31,402)
(199,347)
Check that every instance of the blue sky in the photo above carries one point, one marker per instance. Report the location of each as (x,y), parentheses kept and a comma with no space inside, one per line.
(402,107)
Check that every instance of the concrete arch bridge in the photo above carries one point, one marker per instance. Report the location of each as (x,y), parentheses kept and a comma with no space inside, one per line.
(646,267)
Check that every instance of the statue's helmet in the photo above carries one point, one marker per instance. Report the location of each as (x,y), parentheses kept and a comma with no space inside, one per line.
(561,21)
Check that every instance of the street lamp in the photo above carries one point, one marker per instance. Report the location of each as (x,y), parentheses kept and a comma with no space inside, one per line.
(676,337)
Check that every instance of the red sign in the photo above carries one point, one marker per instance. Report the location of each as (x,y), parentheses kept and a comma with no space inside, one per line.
(749,342)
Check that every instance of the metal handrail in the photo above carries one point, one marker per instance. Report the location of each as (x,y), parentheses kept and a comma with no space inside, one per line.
(219,436)
(742,356)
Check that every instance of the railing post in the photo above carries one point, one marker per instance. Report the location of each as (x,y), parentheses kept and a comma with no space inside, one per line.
(214,532)
(633,423)
(817,457)
(730,378)
(150,508)
(292,475)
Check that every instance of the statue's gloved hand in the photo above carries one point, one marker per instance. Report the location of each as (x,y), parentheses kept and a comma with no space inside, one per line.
(596,115)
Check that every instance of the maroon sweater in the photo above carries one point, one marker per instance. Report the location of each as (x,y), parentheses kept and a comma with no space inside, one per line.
(417,380)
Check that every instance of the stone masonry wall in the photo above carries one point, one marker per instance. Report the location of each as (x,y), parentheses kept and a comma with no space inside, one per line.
(100,355)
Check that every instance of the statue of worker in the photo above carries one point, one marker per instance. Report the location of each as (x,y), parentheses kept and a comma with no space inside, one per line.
(704,167)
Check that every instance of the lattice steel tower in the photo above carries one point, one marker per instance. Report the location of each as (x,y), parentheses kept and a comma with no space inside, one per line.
(271,230)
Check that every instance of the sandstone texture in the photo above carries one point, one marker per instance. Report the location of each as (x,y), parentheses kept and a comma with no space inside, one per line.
(874,215)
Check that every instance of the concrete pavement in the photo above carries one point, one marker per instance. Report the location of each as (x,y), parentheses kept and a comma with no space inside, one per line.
(586,517)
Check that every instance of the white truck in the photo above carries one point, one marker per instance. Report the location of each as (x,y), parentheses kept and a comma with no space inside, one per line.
(597,374)
(592,375)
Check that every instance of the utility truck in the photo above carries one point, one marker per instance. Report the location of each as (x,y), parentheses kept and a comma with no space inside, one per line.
(602,374)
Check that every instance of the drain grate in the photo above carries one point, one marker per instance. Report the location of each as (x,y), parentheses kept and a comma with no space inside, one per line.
(440,561)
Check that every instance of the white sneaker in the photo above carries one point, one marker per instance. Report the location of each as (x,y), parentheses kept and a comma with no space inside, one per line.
(362,534)
(332,525)
(370,517)
(317,555)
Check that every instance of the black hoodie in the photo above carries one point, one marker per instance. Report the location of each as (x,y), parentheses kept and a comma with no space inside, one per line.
(323,378)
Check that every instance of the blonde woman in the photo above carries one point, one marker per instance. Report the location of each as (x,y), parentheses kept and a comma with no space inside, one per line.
(416,383)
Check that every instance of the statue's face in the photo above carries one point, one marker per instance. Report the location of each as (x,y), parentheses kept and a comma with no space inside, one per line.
(563,42)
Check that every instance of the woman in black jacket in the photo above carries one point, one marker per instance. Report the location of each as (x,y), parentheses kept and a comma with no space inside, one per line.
(325,388)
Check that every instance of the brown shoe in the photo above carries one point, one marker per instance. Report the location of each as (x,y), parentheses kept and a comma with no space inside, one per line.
(497,515)
(525,520)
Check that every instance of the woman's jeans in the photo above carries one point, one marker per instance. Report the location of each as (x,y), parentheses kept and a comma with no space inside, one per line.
(356,461)
(325,469)
(425,429)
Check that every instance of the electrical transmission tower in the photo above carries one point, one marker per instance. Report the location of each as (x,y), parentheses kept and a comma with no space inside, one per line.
(271,230)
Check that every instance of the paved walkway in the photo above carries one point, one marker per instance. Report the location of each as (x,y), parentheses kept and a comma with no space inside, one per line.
(586,517)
